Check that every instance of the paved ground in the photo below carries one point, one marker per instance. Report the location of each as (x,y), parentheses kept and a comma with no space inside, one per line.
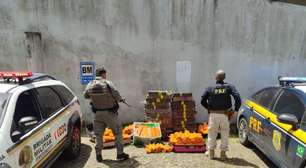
(240,156)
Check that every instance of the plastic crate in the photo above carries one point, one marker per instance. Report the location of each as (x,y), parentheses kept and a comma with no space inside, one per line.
(180,117)
(137,136)
(156,111)
(158,93)
(157,106)
(182,97)
(165,119)
(150,100)
(192,128)
(189,148)
(178,104)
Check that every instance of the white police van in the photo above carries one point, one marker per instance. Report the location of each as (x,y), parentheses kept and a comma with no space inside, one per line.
(40,118)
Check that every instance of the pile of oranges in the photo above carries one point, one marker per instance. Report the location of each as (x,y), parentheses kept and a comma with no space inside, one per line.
(186,138)
(203,128)
(158,148)
(109,135)
(127,132)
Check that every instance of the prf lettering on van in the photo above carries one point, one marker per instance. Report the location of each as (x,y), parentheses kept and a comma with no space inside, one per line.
(255,124)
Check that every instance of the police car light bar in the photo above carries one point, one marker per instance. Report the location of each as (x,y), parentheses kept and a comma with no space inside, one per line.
(21,74)
(285,81)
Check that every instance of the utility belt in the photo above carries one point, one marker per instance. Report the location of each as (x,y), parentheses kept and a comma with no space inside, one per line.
(113,109)
(225,111)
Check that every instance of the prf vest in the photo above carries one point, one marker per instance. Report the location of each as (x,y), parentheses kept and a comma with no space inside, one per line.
(220,98)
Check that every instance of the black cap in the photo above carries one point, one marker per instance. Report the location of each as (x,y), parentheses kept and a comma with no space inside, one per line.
(100,71)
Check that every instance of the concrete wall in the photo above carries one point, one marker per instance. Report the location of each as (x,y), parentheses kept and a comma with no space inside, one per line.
(139,42)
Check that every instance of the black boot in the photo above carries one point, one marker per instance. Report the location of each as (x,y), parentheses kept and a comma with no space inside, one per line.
(122,157)
(99,158)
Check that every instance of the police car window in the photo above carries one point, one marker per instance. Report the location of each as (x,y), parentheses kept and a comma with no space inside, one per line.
(3,102)
(25,107)
(65,94)
(289,103)
(266,97)
(49,101)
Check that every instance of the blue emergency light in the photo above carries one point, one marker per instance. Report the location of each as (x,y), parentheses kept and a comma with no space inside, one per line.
(287,81)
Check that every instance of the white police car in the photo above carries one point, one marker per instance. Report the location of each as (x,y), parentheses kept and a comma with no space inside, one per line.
(40,118)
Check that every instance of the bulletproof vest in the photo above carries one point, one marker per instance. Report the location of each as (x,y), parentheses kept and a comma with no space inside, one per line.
(220,98)
(100,96)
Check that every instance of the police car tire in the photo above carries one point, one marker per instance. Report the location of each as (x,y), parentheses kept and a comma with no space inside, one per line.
(244,141)
(74,148)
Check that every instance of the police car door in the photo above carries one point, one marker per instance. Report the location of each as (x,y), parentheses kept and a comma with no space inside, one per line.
(26,111)
(284,141)
(258,123)
(52,109)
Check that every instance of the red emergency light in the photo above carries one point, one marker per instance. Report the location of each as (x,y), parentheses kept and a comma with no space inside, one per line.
(17,74)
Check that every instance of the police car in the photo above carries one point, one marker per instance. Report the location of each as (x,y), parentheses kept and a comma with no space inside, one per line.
(274,119)
(40,119)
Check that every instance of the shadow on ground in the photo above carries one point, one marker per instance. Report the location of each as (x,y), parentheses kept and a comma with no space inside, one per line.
(79,162)
(130,163)
(242,162)
(237,162)
(263,157)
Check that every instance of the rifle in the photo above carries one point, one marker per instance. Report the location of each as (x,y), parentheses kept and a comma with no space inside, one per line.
(123,101)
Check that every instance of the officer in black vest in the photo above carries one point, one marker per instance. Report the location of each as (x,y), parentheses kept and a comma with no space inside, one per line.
(217,100)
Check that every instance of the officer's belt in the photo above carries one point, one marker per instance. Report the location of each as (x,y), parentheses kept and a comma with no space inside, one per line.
(218,111)
(106,109)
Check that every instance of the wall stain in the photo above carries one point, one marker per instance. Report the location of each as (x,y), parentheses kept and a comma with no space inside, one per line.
(215,5)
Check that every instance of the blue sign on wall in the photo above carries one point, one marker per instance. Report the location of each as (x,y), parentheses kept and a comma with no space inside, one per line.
(87,72)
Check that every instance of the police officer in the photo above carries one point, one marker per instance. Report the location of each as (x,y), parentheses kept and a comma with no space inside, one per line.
(105,97)
(217,100)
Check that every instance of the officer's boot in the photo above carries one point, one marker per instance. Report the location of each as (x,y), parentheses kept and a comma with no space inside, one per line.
(92,138)
(211,154)
(223,155)
(99,158)
(122,157)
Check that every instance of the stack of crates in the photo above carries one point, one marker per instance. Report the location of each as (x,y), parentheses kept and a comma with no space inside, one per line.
(183,112)
(157,109)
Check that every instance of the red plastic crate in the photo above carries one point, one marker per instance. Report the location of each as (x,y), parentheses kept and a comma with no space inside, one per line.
(189,148)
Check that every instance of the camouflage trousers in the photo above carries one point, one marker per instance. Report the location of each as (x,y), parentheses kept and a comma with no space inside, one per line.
(105,119)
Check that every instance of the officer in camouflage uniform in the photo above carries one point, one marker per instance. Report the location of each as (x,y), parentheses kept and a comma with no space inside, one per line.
(217,100)
(105,97)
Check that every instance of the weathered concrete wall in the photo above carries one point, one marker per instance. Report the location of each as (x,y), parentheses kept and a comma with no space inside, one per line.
(139,42)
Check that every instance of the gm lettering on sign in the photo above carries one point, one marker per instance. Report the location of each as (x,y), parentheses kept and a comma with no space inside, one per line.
(87,70)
